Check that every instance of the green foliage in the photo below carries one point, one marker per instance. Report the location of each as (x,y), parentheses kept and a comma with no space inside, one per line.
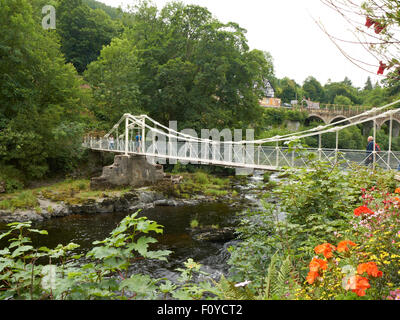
(181,64)
(200,177)
(12,178)
(23,200)
(342,100)
(313,206)
(229,291)
(288,90)
(40,96)
(113,77)
(276,118)
(83,32)
(102,274)
(194,223)
(349,138)
(250,258)
(342,90)
(279,283)
(313,89)
(114,13)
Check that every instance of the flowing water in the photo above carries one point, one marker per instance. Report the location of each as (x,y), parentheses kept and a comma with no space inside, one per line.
(83,229)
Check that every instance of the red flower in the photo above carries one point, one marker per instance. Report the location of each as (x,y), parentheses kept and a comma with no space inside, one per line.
(343,246)
(316,264)
(361,285)
(325,249)
(379,27)
(363,209)
(370,268)
(312,275)
(369,22)
(382,67)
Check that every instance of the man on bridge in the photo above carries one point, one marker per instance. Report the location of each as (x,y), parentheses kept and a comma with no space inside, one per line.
(370,148)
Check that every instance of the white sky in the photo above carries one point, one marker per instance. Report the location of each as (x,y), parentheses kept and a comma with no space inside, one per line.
(286,29)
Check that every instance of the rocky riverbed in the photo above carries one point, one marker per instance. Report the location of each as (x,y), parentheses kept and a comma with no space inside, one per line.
(143,198)
(207,242)
(139,198)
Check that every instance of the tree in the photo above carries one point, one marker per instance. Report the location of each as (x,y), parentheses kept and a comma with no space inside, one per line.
(313,89)
(114,13)
(343,88)
(83,32)
(190,67)
(342,100)
(376,97)
(113,77)
(39,93)
(368,84)
(288,90)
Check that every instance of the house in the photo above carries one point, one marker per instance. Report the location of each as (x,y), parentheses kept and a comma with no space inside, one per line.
(269,100)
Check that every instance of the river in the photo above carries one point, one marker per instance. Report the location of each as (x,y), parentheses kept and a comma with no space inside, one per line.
(178,237)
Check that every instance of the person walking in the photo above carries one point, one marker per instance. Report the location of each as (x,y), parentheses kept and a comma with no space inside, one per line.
(369,151)
(138,142)
(111,143)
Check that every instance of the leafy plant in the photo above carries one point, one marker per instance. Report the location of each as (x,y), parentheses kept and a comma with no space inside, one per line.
(315,206)
(103,273)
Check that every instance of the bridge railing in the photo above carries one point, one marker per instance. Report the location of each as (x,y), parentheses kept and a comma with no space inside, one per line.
(238,155)
(336,108)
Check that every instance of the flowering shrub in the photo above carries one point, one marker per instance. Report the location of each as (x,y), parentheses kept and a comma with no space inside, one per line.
(335,275)
(394,295)
(367,268)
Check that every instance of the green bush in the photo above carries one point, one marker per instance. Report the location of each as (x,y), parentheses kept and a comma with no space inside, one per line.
(201,177)
(23,200)
(315,204)
(12,178)
(104,273)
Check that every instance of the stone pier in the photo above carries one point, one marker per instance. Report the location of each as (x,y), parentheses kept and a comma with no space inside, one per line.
(132,170)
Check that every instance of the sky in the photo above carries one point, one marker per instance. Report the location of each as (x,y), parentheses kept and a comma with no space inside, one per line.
(288,31)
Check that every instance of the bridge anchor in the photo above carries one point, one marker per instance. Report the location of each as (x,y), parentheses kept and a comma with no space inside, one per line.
(128,170)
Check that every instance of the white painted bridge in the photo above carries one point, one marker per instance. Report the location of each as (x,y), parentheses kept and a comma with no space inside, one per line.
(141,135)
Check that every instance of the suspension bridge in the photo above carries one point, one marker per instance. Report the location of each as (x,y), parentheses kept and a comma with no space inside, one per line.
(143,136)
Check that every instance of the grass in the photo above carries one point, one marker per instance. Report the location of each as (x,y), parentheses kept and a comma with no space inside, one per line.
(19,200)
(69,191)
(78,191)
(201,183)
(216,193)
(194,223)
(197,183)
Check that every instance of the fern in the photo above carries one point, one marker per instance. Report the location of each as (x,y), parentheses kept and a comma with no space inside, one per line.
(228,291)
(270,279)
(284,278)
(277,284)
(279,280)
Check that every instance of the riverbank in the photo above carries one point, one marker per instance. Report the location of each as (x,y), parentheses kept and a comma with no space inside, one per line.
(75,197)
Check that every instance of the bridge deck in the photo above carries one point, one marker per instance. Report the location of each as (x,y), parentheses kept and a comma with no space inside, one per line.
(259,158)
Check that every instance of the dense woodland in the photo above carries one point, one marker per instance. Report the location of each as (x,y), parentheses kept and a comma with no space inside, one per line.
(176,63)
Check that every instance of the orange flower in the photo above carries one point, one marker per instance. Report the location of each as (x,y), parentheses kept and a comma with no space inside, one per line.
(312,275)
(325,249)
(397,190)
(363,209)
(361,285)
(370,268)
(316,264)
(343,246)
